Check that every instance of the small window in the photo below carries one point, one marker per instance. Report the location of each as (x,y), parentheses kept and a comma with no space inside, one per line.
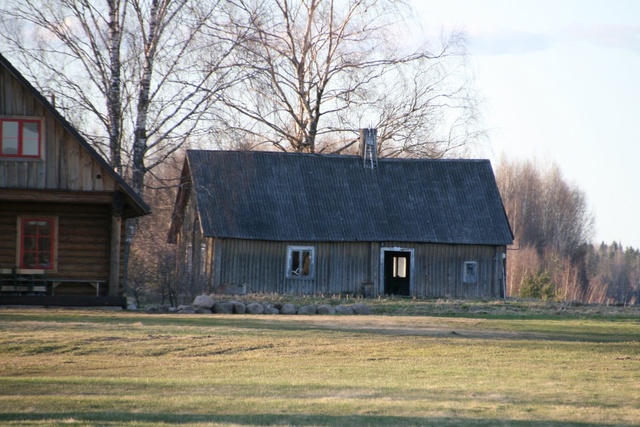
(188,256)
(470,272)
(300,262)
(20,138)
(37,243)
(203,258)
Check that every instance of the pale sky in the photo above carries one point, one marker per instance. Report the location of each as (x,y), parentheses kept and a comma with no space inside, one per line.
(561,80)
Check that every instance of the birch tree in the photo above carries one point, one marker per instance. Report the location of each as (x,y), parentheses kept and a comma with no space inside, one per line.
(317,70)
(552,226)
(135,76)
(545,210)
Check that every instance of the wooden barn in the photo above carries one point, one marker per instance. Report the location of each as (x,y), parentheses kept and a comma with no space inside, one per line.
(62,207)
(328,224)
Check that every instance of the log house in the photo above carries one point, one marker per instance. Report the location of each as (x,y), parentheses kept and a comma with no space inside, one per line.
(340,224)
(62,206)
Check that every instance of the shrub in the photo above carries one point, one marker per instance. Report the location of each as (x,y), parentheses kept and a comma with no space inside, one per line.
(538,285)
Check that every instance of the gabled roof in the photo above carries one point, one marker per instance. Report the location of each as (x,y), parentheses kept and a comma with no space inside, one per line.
(306,197)
(133,198)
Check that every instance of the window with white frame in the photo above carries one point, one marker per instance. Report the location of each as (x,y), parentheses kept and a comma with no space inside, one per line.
(188,257)
(470,274)
(20,138)
(300,262)
(203,258)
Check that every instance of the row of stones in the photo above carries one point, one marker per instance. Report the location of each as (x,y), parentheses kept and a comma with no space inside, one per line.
(205,304)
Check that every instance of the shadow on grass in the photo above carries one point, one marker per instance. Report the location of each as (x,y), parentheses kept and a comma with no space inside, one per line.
(297,323)
(123,419)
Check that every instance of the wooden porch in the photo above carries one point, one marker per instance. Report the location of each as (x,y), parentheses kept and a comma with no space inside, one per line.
(33,287)
(63,300)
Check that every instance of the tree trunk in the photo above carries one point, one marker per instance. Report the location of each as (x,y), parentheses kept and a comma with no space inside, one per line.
(114,99)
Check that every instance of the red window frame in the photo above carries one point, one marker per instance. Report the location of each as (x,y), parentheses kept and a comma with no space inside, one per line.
(37,243)
(20,138)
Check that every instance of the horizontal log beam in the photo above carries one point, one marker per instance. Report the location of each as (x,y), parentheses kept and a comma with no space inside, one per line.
(93,197)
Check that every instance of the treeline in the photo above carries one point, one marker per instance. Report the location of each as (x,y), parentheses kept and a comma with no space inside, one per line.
(553,256)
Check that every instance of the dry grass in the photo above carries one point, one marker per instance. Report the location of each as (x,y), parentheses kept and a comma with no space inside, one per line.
(94,368)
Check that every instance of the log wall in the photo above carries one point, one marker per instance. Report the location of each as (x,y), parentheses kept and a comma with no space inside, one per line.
(84,236)
(65,164)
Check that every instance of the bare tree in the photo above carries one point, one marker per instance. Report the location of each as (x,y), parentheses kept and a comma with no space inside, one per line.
(134,76)
(546,211)
(552,225)
(317,70)
(153,272)
(142,71)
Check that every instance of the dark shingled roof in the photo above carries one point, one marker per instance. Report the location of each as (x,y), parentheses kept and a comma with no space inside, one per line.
(307,197)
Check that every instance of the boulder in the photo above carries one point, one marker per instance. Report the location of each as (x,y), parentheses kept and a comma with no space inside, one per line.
(158,309)
(343,309)
(200,310)
(308,309)
(239,308)
(288,309)
(271,310)
(326,309)
(223,308)
(203,301)
(186,309)
(254,308)
(360,308)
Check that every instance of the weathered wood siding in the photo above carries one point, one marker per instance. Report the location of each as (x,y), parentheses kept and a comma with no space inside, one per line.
(437,270)
(65,164)
(193,254)
(84,236)
(261,265)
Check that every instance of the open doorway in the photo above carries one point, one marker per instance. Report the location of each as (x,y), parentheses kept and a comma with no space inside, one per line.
(397,266)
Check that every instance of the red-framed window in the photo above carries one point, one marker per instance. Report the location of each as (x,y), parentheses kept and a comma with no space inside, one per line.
(20,137)
(37,243)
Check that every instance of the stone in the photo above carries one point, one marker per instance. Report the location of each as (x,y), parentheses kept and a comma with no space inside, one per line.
(239,308)
(270,308)
(200,310)
(158,309)
(343,309)
(326,309)
(254,308)
(203,301)
(308,309)
(360,308)
(186,309)
(223,308)
(288,308)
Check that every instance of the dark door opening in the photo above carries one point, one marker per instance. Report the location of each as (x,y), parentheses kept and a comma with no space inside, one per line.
(397,273)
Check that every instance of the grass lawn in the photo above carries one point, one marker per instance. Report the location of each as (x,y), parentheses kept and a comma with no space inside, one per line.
(104,368)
